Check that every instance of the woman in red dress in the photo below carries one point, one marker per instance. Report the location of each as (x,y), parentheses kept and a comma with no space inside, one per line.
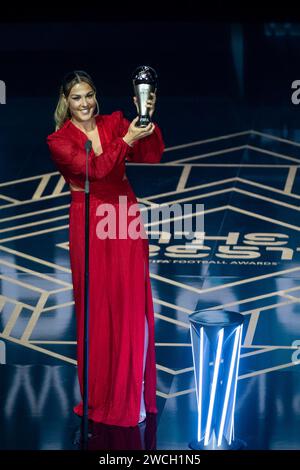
(122,372)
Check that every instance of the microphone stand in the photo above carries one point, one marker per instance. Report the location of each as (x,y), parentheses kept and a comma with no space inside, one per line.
(85,419)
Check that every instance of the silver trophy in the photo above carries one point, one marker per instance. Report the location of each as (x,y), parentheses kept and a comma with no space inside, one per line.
(144,82)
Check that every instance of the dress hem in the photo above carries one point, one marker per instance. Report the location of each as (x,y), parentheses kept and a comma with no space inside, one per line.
(92,415)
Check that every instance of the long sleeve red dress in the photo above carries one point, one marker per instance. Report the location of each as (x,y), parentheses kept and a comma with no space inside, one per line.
(121,365)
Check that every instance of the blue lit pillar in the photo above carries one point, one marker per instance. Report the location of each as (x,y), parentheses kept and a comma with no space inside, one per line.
(216,342)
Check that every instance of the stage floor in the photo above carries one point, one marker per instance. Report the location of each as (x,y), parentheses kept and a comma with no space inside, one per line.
(249,184)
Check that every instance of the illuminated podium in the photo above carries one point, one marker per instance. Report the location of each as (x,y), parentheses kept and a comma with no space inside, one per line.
(216,343)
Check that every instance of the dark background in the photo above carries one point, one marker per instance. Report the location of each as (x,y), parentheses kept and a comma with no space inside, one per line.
(223,67)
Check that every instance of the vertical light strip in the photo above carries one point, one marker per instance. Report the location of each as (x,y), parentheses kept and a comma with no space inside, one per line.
(229,383)
(200,386)
(235,385)
(232,433)
(214,386)
(191,333)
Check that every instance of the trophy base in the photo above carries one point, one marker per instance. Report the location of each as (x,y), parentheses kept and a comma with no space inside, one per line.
(237,444)
(143,121)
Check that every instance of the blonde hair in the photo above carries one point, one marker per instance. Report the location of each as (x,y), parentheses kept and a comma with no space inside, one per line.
(62,112)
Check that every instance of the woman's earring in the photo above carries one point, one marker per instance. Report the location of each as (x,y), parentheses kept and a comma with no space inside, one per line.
(98,110)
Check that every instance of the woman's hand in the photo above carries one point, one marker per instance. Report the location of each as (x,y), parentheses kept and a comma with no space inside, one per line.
(150,104)
(136,133)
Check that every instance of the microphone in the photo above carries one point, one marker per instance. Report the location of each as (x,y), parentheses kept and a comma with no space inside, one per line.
(88,145)
(88,148)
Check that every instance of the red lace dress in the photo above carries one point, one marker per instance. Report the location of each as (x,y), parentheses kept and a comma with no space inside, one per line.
(120,290)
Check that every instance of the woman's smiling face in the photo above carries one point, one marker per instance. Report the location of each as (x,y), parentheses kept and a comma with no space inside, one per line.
(82,102)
